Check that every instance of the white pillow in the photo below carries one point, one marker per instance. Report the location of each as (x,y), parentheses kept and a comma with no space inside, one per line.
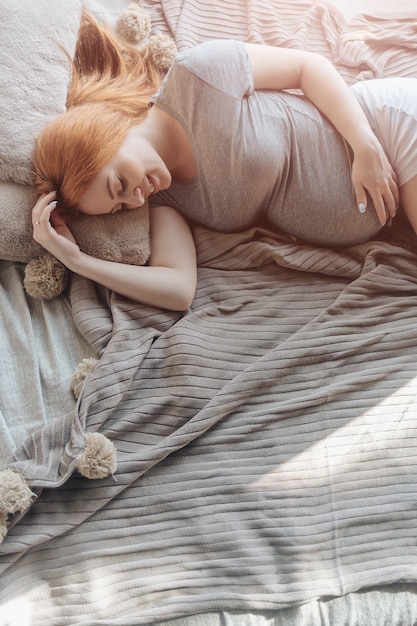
(34,75)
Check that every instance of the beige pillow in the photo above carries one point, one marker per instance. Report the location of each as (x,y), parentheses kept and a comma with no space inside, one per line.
(16,243)
(123,237)
(35,76)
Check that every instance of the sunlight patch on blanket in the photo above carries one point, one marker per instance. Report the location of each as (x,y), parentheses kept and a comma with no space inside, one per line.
(385,435)
(18,612)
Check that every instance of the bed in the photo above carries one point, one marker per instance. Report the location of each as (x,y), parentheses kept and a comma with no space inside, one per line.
(266,439)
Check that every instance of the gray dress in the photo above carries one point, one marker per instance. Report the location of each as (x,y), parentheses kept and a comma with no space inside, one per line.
(261,155)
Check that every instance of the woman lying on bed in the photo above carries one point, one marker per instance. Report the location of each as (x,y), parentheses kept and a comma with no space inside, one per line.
(224,146)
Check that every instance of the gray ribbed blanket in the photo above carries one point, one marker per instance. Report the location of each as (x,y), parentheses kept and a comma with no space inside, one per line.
(266,441)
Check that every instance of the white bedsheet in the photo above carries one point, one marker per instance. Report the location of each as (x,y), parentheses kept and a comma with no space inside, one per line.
(40,349)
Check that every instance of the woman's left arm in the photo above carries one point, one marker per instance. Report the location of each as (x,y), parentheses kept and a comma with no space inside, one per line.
(282,68)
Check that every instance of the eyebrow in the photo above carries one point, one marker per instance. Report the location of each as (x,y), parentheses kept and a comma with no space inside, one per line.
(108,188)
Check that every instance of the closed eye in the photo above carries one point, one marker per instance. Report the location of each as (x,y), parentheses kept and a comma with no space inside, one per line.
(119,207)
(122,184)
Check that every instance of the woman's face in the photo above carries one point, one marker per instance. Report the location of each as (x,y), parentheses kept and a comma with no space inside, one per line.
(134,173)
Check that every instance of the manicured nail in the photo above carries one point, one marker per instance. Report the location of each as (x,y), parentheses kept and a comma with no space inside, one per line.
(362,207)
(53,202)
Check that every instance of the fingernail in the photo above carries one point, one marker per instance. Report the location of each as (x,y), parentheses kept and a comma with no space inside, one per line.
(53,202)
(362,207)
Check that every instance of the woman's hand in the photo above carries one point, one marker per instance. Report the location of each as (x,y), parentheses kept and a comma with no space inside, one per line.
(372,174)
(51,231)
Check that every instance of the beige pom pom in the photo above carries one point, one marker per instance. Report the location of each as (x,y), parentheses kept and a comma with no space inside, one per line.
(3,526)
(83,370)
(162,51)
(15,494)
(45,278)
(99,457)
(134,23)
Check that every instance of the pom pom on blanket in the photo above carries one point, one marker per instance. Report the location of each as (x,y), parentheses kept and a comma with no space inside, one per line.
(98,459)
(162,51)
(83,370)
(3,526)
(45,278)
(15,496)
(134,25)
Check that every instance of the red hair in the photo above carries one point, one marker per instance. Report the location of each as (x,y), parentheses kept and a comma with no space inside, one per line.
(110,90)
(73,148)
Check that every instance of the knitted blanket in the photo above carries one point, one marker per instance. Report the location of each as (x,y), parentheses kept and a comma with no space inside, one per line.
(265,439)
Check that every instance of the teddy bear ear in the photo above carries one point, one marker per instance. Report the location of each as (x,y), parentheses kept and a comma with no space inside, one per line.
(45,278)
(134,23)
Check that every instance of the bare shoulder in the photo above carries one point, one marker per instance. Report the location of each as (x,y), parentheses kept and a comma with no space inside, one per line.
(165,215)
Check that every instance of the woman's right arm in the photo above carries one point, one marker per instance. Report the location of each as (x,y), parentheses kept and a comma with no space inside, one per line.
(168,281)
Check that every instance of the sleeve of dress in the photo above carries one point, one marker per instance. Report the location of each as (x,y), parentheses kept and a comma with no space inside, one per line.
(222,64)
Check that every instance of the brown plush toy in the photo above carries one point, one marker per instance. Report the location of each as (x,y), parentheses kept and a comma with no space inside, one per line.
(46,277)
